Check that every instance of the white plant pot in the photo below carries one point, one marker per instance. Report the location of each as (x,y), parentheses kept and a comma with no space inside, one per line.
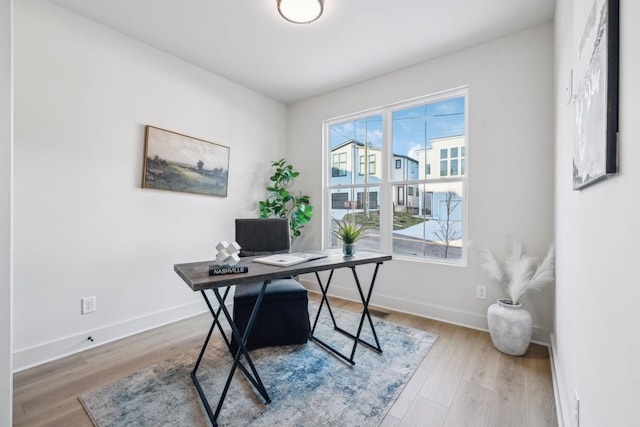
(510,327)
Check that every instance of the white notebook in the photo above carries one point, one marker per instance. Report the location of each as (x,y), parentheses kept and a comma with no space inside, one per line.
(285,260)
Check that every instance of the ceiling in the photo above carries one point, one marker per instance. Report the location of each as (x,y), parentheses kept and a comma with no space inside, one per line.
(247,42)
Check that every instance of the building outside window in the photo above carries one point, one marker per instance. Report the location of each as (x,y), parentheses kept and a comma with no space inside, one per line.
(410,210)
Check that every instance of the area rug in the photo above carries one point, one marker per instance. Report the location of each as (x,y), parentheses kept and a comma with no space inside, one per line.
(308,386)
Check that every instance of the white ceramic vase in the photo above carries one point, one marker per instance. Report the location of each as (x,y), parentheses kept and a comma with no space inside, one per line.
(510,327)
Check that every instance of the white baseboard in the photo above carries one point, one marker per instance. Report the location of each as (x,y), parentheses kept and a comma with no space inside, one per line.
(558,390)
(27,358)
(444,314)
(40,354)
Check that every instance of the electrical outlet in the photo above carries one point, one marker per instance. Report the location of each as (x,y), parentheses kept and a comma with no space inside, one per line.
(576,409)
(88,305)
(481,292)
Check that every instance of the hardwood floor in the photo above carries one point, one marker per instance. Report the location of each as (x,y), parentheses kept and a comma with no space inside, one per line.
(463,381)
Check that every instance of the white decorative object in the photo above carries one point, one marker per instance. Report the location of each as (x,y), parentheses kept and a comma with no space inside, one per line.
(227,253)
(510,327)
(509,324)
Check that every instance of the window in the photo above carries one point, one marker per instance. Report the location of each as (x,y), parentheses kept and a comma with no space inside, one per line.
(372,164)
(443,167)
(339,200)
(409,208)
(454,167)
(339,164)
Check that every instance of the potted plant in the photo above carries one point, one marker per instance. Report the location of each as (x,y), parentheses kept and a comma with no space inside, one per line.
(280,203)
(348,233)
(509,323)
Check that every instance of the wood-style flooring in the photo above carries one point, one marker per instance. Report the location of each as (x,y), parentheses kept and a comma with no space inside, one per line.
(463,381)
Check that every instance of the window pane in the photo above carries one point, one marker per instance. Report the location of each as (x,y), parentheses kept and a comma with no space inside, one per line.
(355,141)
(426,134)
(454,167)
(361,205)
(409,138)
(433,227)
(443,168)
(338,164)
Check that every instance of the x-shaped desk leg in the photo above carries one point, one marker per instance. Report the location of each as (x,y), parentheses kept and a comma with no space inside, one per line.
(252,376)
(365,314)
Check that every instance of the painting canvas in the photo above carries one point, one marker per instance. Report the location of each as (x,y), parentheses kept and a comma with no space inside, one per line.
(178,162)
(596,33)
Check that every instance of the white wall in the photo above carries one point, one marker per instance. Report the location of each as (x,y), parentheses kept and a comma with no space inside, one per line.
(6,392)
(596,324)
(83,225)
(510,158)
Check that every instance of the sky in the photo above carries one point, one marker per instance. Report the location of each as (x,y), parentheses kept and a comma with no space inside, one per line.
(183,149)
(410,130)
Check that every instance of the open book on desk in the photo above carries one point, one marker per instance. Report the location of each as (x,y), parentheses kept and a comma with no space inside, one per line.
(285,260)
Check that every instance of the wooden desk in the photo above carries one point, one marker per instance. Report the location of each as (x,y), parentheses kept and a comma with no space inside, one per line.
(196,275)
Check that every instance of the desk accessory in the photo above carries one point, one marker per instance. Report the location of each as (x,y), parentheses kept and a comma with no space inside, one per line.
(227,259)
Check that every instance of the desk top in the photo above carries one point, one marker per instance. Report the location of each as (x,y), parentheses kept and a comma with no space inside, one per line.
(196,274)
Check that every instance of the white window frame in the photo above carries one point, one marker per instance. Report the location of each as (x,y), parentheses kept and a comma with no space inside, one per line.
(385,186)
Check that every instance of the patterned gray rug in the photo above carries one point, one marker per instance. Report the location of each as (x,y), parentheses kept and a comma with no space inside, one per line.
(308,386)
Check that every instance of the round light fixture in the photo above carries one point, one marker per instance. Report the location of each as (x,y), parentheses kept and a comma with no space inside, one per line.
(300,11)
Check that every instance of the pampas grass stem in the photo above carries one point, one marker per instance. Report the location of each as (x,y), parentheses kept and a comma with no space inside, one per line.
(518,273)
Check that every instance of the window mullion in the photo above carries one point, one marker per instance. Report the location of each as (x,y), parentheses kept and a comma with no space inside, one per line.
(386,213)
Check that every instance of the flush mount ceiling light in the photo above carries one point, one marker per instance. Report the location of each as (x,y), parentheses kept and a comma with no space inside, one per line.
(300,11)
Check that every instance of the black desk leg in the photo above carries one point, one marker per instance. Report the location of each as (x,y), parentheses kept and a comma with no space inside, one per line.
(252,376)
(365,313)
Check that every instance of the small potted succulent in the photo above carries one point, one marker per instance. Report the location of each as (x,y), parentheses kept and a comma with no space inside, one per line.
(348,233)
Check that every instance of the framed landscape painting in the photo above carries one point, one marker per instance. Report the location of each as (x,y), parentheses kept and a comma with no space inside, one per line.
(177,162)
(596,59)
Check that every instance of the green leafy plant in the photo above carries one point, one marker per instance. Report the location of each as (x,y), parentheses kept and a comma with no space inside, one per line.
(281,203)
(349,232)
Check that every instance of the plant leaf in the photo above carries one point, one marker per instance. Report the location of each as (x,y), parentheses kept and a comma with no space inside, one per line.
(545,272)
(489,264)
(521,270)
